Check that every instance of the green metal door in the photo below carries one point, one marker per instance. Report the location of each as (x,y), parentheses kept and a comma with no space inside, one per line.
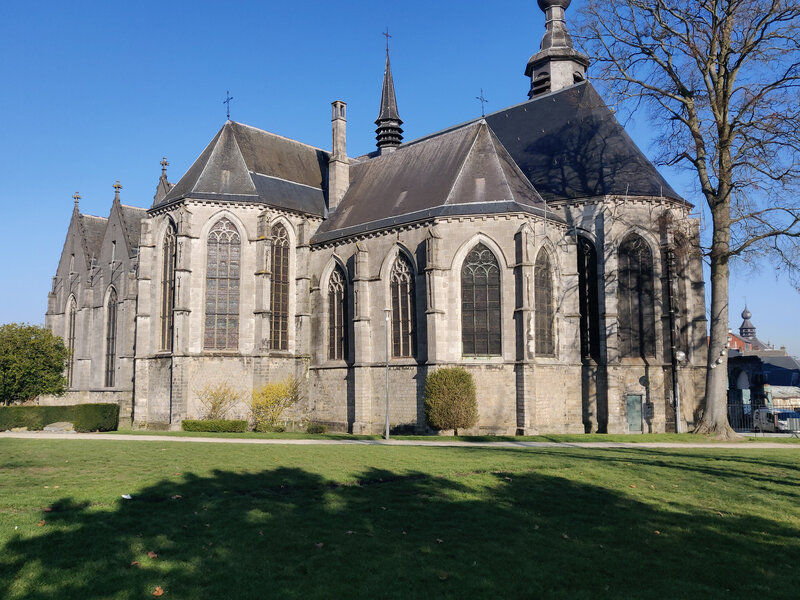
(634,411)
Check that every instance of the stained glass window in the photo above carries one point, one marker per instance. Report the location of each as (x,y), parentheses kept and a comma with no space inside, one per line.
(480,303)
(401,283)
(279,339)
(111,337)
(222,287)
(636,299)
(336,315)
(168,286)
(543,305)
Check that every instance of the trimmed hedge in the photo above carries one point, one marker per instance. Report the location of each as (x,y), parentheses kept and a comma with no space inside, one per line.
(84,417)
(449,398)
(215,425)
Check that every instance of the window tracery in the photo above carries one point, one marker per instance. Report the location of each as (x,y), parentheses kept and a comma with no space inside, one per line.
(480,303)
(222,286)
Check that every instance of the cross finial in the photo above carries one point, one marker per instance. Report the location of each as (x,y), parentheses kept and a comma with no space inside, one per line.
(164,164)
(227,102)
(483,102)
(117,188)
(387,36)
(76,196)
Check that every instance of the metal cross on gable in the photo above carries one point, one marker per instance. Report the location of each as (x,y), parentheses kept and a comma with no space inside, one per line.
(227,102)
(483,102)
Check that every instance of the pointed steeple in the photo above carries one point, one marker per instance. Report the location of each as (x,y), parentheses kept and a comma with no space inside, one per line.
(557,64)
(390,134)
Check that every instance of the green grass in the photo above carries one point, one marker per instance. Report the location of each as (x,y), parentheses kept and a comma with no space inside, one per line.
(244,521)
(668,438)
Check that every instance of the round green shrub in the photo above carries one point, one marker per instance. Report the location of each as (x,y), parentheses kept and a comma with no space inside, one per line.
(449,398)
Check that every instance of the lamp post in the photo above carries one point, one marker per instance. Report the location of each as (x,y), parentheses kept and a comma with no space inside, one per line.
(680,358)
(386,312)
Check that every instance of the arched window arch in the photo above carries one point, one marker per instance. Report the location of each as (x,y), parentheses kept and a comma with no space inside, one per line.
(279,297)
(111,337)
(169,254)
(337,308)
(480,303)
(72,315)
(544,305)
(401,285)
(637,335)
(589,305)
(222,286)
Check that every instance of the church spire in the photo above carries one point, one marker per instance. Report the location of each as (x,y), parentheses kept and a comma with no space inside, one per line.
(390,134)
(747,330)
(557,64)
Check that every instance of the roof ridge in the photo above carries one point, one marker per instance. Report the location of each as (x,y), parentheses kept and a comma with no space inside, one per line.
(501,110)
(464,160)
(277,135)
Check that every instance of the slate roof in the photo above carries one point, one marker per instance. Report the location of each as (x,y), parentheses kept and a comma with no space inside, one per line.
(462,171)
(570,146)
(246,164)
(132,219)
(785,391)
(92,231)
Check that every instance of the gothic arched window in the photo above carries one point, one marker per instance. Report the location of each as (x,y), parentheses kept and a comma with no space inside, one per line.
(337,336)
(480,303)
(168,286)
(111,337)
(279,329)
(543,305)
(637,335)
(401,283)
(222,287)
(589,306)
(72,315)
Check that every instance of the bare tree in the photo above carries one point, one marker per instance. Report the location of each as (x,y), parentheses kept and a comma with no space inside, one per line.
(721,80)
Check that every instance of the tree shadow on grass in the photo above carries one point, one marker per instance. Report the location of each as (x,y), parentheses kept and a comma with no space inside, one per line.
(288,533)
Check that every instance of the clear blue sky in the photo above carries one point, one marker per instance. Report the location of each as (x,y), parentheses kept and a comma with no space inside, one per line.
(99,91)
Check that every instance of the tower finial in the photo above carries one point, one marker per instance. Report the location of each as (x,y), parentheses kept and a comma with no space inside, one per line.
(227,102)
(76,197)
(557,64)
(164,164)
(117,188)
(390,132)
(483,102)
(386,34)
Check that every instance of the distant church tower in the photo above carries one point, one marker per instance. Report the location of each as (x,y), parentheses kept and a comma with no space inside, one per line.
(747,330)
(557,64)
(390,134)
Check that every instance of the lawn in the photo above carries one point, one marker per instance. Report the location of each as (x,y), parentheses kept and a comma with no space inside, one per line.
(242,521)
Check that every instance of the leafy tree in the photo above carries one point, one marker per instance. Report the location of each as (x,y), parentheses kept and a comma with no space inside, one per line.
(449,399)
(720,79)
(32,362)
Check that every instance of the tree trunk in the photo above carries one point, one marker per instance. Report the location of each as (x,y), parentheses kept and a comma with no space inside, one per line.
(715,415)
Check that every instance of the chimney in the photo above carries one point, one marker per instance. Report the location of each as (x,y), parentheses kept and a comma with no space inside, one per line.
(338,166)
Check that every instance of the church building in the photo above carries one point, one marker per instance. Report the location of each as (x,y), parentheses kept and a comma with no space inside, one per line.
(537,247)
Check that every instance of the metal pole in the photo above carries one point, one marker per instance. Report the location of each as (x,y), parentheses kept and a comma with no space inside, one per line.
(386,312)
(673,335)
